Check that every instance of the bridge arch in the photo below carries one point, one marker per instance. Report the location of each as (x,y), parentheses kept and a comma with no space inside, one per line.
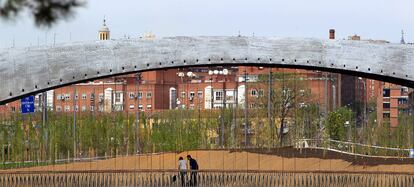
(26,71)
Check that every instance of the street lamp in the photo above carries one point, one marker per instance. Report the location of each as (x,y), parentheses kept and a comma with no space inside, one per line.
(246,115)
(346,124)
(137,126)
(224,72)
(182,76)
(364,100)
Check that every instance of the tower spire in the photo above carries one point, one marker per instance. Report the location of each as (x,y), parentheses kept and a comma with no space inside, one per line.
(402,37)
(104,31)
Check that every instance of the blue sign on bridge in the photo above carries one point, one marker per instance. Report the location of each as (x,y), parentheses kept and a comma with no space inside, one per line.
(27,105)
(412,153)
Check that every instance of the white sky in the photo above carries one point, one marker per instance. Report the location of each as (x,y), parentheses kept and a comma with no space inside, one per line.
(374,19)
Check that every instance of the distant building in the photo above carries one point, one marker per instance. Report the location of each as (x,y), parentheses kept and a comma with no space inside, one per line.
(104,33)
(218,87)
(354,37)
(393,101)
(145,91)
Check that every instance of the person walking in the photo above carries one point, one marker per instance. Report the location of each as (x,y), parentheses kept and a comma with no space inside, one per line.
(194,169)
(182,167)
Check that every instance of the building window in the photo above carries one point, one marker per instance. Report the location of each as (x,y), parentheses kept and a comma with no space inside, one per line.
(218,96)
(76,96)
(149,107)
(404,90)
(92,96)
(173,98)
(183,95)
(83,108)
(101,97)
(149,95)
(217,106)
(131,95)
(200,94)
(230,95)
(139,95)
(92,108)
(386,115)
(84,96)
(67,97)
(253,93)
(67,108)
(58,108)
(261,92)
(402,101)
(59,97)
(192,94)
(131,107)
(386,93)
(100,108)
(118,97)
(76,108)
(140,107)
(402,111)
(385,105)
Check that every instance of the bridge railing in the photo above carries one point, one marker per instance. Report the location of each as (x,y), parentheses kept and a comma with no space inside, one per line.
(353,148)
(204,178)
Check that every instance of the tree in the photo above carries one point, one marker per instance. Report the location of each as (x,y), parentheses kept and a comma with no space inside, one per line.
(335,123)
(288,93)
(44,12)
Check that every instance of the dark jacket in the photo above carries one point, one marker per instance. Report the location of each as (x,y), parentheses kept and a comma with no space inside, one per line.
(193,164)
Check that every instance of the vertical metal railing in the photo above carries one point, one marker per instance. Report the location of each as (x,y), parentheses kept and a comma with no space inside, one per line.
(204,178)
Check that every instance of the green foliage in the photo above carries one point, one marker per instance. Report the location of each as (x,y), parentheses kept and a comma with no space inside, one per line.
(336,121)
(307,122)
(111,134)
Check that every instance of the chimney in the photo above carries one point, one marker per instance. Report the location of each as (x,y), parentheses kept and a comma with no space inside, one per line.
(332,34)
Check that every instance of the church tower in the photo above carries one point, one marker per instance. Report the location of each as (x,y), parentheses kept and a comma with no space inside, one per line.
(104,32)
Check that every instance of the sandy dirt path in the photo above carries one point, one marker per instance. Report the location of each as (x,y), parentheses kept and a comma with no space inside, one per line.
(227,160)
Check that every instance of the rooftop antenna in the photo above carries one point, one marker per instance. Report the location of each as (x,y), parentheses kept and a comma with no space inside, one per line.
(14,42)
(54,39)
(402,37)
(239,34)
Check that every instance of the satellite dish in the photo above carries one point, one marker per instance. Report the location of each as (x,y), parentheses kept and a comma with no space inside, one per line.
(210,72)
(225,72)
(189,74)
(216,72)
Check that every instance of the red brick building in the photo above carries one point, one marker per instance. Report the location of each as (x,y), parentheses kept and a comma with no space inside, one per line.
(392,102)
(189,88)
(145,91)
